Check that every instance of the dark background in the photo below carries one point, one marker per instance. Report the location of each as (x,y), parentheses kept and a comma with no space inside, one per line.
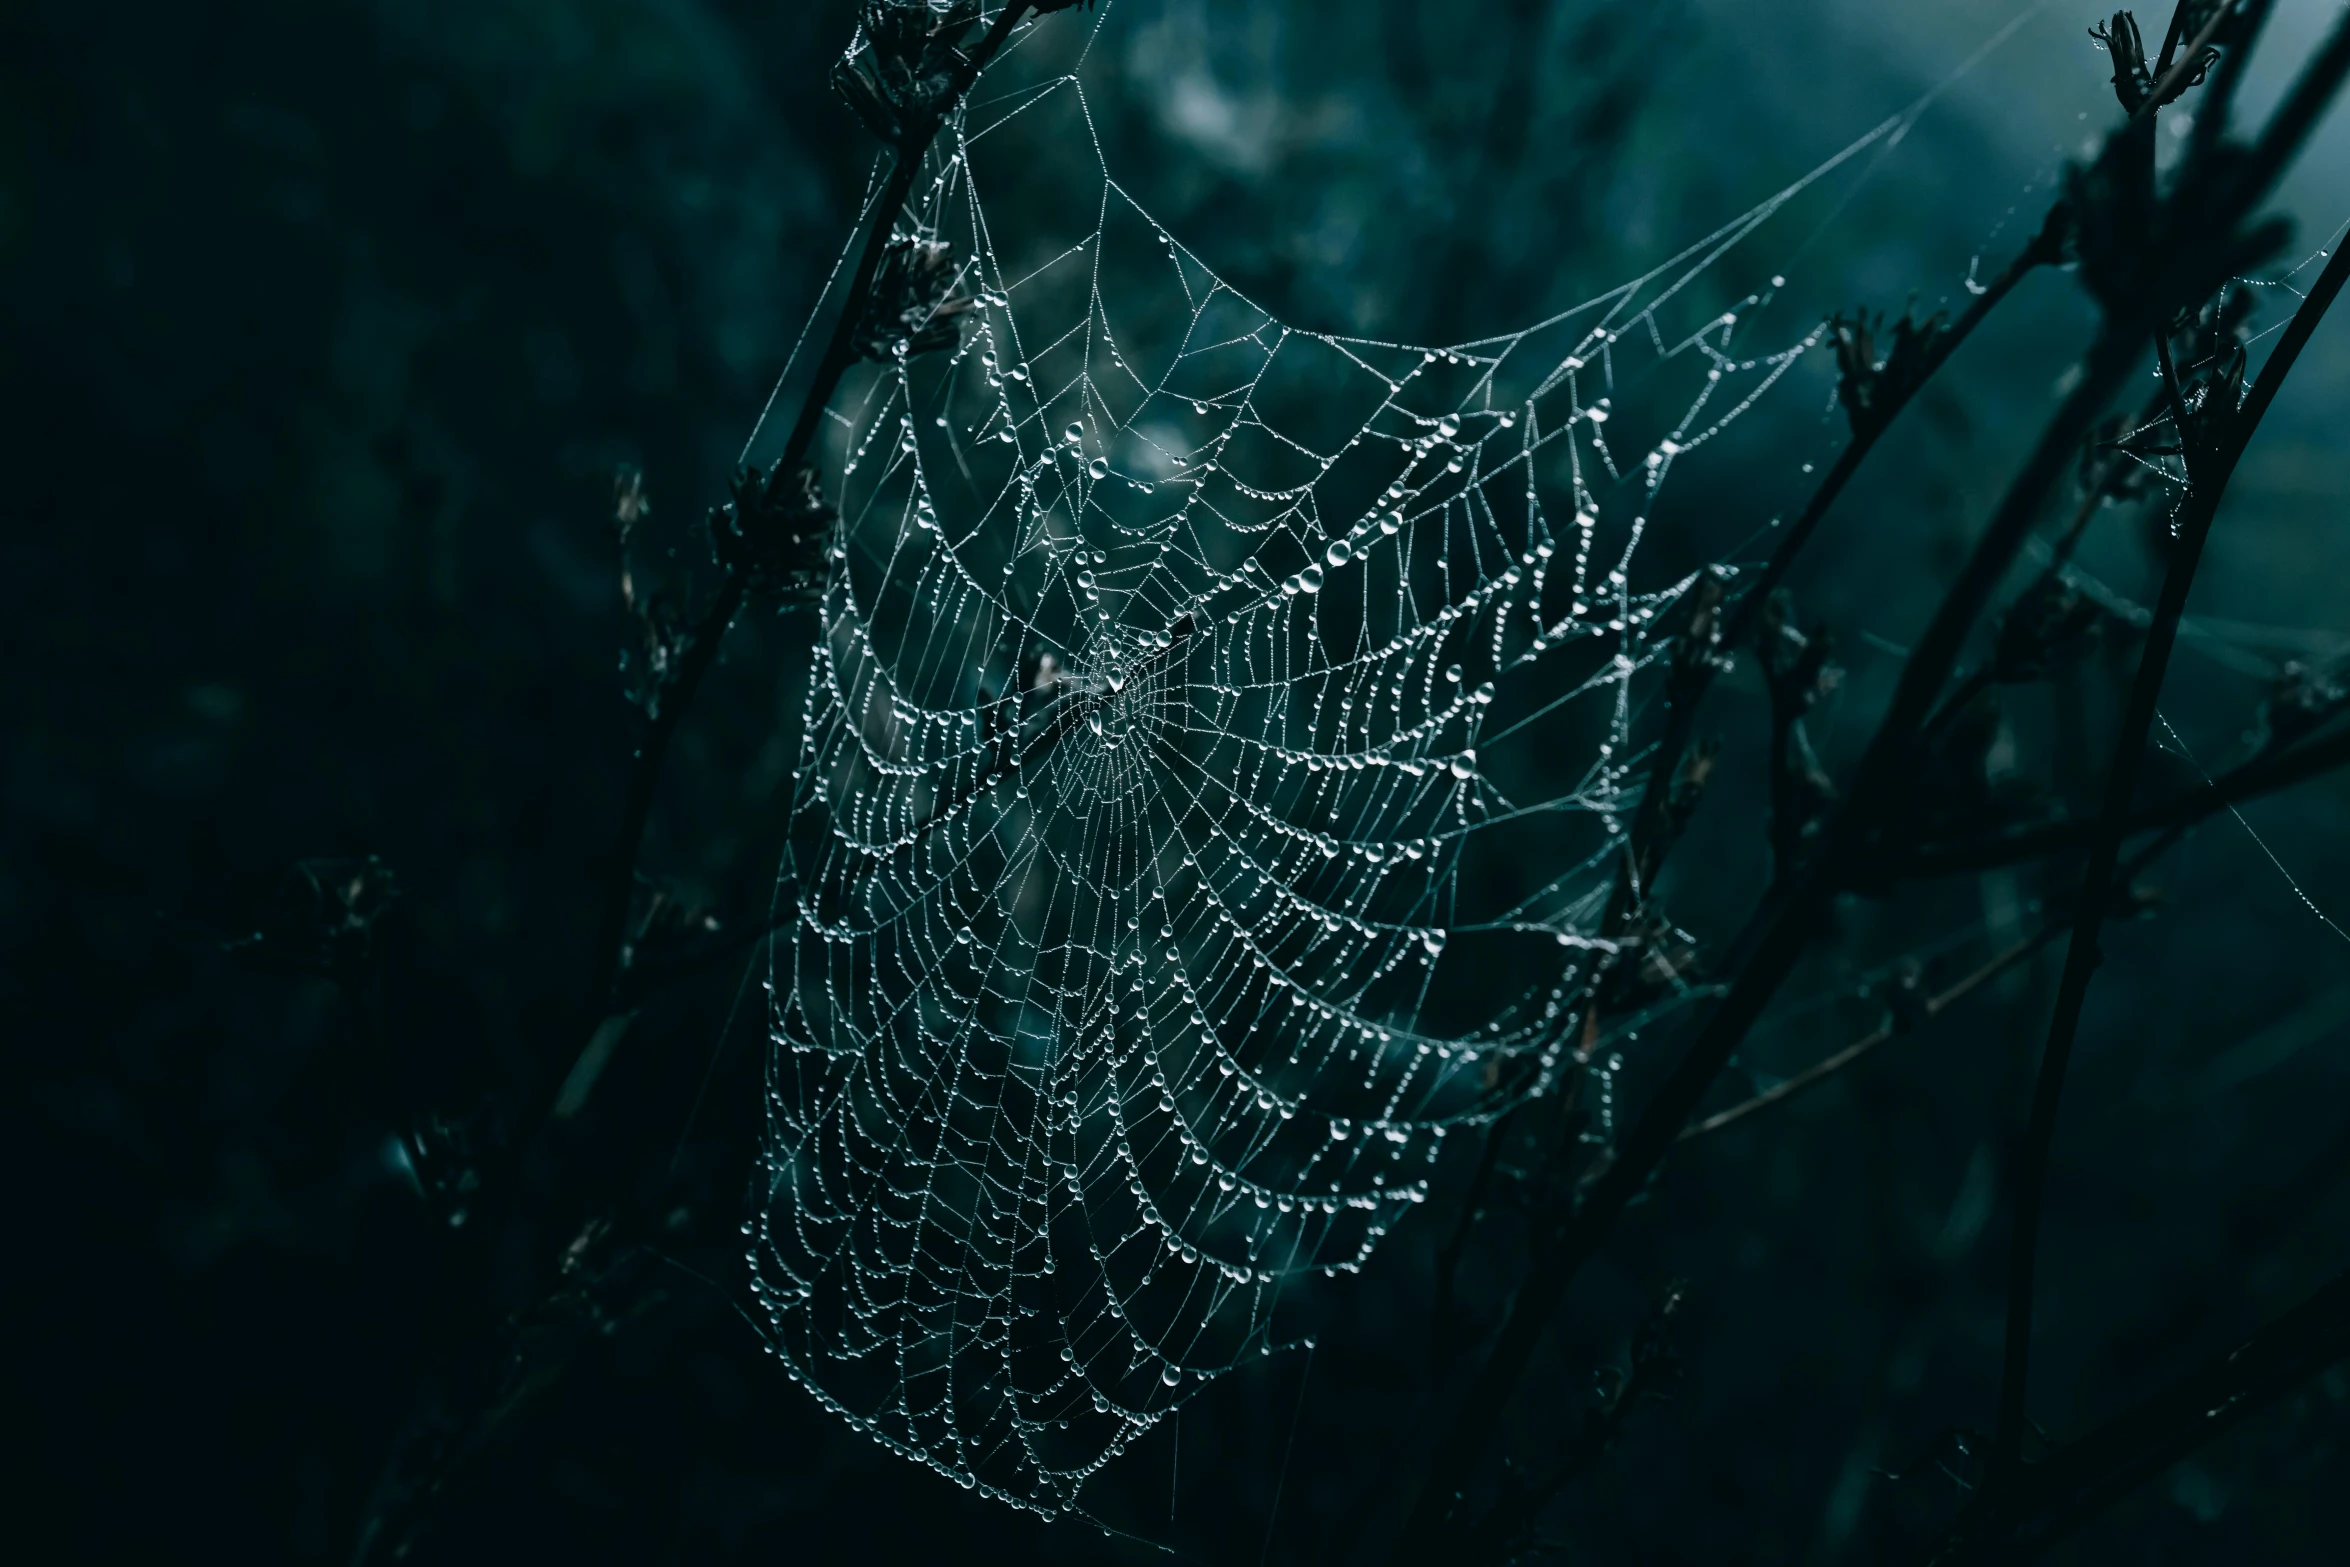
(326,326)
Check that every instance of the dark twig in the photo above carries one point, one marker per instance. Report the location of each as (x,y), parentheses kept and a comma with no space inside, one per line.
(916,93)
(2175,76)
(2219,97)
(2210,467)
(2045,247)
(2202,225)
(2048,1498)
(2295,337)
(1796,670)
(1776,936)
(1448,1260)
(701,647)
(1941,1001)
(1650,1363)
(2289,127)
(1652,831)
(1665,803)
(841,351)
(2264,774)
(1896,1023)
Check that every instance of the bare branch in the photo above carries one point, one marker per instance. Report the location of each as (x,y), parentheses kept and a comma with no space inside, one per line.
(841,351)
(2264,774)
(1893,1027)
(2047,1499)
(2201,228)
(2210,470)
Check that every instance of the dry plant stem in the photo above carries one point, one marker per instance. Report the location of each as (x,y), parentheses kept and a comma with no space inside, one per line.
(2219,93)
(2049,1498)
(644,779)
(388,1529)
(1498,1535)
(1936,653)
(1448,1261)
(2263,775)
(2091,1473)
(1649,841)
(2043,249)
(1779,931)
(2081,959)
(1812,1076)
(2174,80)
(839,354)
(2298,115)
(2209,472)
(2295,337)
(1647,850)
(1998,964)
(1774,939)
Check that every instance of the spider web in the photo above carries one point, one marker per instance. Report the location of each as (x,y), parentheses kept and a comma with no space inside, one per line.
(1216,751)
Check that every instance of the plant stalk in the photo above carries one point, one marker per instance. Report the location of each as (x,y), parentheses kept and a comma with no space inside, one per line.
(2209,472)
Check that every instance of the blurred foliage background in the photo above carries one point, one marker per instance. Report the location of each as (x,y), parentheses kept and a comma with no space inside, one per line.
(326,326)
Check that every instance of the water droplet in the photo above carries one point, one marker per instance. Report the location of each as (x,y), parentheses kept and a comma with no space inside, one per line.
(1171,1376)
(1099,468)
(1391,522)
(1310,580)
(1448,427)
(1340,553)
(1085,579)
(1452,673)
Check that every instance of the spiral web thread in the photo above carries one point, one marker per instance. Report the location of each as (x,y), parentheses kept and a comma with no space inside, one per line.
(1216,747)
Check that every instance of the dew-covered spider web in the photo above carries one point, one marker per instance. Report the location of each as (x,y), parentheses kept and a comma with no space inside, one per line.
(1217,744)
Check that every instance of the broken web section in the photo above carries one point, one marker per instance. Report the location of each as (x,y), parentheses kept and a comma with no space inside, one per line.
(1216,747)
